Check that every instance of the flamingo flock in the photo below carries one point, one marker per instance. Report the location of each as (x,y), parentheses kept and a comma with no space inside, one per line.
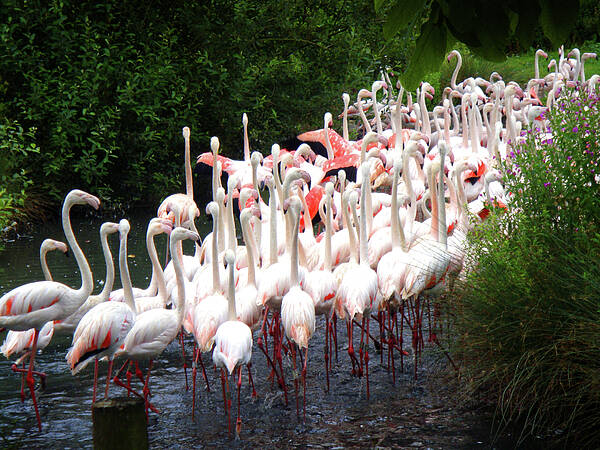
(373,230)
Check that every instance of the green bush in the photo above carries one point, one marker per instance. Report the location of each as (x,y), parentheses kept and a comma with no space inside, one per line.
(16,146)
(109,85)
(529,307)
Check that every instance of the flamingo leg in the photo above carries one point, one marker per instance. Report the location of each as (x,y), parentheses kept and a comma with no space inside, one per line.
(30,380)
(295,380)
(204,371)
(250,380)
(118,382)
(23,383)
(95,380)
(327,350)
(367,355)
(304,383)
(196,352)
(146,390)
(351,353)
(238,423)
(110,366)
(23,372)
(335,335)
(183,357)
(228,403)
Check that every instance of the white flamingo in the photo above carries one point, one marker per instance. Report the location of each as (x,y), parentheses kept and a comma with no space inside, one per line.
(32,305)
(233,341)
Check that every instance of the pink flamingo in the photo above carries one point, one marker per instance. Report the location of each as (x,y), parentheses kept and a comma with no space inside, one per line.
(32,305)
(154,329)
(19,342)
(233,342)
(357,292)
(297,306)
(102,329)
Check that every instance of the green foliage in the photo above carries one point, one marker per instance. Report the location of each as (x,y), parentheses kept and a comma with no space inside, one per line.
(16,145)
(438,23)
(109,86)
(528,310)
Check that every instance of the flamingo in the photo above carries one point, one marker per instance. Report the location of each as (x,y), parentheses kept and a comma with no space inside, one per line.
(297,306)
(182,200)
(154,329)
(357,291)
(19,342)
(102,329)
(233,341)
(32,305)
(321,285)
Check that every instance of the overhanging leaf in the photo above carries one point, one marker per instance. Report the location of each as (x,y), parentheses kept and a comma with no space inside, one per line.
(378,4)
(428,55)
(401,15)
(557,19)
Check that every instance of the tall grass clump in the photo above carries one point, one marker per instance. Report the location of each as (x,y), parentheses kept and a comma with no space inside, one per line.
(528,327)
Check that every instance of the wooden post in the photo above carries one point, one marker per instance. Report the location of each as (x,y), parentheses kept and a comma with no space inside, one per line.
(120,423)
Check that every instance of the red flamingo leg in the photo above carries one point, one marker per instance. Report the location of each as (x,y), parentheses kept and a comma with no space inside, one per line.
(223,386)
(367,356)
(196,352)
(110,366)
(204,372)
(238,423)
(30,381)
(335,336)
(183,357)
(295,380)
(304,384)
(361,347)
(118,382)
(327,350)
(250,380)
(228,403)
(95,380)
(351,349)
(146,390)
(22,383)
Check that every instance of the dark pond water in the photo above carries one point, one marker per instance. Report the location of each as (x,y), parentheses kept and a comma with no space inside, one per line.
(409,413)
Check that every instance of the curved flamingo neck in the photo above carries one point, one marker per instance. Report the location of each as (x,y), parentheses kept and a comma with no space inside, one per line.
(87,280)
(215,254)
(398,238)
(435,233)
(366,186)
(246,140)
(345,133)
(272,226)
(350,227)
(110,267)
(45,270)
(124,272)
(231,313)
(251,249)
(230,223)
(456,69)
(189,182)
(443,231)
(294,248)
(177,266)
(327,265)
(157,271)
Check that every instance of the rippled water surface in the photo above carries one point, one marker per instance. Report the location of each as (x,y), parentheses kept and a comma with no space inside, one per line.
(408,413)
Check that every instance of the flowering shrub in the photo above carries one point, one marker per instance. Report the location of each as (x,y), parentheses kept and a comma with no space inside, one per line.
(556,171)
(528,328)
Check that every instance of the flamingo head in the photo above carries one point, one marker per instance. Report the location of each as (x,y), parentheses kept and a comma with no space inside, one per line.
(214,144)
(80,197)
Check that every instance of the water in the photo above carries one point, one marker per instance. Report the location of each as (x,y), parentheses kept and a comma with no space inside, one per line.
(409,413)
